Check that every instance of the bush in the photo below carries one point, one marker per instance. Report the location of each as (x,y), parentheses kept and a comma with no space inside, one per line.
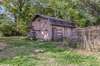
(12,28)
(7,27)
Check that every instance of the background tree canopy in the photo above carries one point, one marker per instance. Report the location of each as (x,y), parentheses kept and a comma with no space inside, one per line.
(82,12)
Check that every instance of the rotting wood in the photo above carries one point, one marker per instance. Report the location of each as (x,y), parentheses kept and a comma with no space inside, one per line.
(89,38)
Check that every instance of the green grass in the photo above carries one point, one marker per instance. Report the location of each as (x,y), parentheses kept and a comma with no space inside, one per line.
(21,52)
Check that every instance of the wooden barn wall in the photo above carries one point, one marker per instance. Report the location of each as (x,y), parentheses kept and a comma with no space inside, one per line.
(66,32)
(42,27)
(57,33)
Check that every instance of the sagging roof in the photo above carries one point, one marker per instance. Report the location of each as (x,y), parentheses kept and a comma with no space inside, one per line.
(56,21)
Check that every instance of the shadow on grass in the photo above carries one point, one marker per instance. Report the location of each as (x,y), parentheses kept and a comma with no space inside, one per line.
(22,47)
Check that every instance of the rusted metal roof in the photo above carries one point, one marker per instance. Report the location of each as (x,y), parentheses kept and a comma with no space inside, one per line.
(56,21)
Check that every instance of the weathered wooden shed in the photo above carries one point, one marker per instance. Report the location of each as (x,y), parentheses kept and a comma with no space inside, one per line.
(50,28)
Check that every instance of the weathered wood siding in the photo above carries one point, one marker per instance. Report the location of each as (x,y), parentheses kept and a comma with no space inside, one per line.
(88,38)
(57,33)
(64,32)
(42,28)
(67,32)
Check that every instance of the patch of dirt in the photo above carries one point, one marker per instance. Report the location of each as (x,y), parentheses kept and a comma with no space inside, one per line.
(6,52)
(3,45)
(9,53)
(84,52)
